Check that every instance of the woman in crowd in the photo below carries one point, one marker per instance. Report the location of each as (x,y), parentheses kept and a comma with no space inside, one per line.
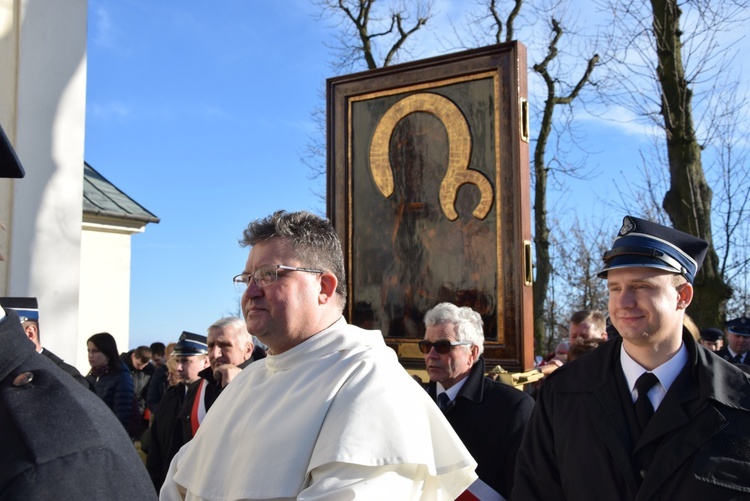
(109,378)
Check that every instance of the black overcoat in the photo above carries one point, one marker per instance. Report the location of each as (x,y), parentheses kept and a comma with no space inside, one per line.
(724,353)
(58,439)
(489,418)
(579,444)
(67,368)
(166,434)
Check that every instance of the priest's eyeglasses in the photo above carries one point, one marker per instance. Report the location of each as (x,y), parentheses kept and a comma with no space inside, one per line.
(442,347)
(266,275)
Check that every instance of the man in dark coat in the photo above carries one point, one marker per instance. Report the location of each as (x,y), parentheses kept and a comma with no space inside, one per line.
(737,349)
(489,417)
(652,414)
(138,363)
(166,430)
(712,338)
(59,440)
(27,309)
(158,384)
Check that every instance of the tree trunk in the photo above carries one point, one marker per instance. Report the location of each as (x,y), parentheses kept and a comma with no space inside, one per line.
(688,200)
(541,228)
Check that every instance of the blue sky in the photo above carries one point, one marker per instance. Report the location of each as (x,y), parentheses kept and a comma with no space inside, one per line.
(200,112)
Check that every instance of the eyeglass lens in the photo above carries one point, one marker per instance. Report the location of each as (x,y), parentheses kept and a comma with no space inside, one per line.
(441,347)
(261,277)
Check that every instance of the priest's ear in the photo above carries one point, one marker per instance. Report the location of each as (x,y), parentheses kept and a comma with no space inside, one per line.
(328,284)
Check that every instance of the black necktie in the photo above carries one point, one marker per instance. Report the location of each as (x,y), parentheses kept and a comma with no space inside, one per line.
(643,408)
(443,401)
(738,358)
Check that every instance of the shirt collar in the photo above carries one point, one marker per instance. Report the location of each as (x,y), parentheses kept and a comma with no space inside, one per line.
(732,352)
(666,372)
(453,390)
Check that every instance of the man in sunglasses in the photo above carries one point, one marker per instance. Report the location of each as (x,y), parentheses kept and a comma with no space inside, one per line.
(329,413)
(489,417)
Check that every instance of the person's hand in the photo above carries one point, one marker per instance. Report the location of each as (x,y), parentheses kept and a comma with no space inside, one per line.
(225,373)
(550,367)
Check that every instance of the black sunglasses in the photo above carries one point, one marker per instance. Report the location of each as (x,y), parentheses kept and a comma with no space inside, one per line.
(442,347)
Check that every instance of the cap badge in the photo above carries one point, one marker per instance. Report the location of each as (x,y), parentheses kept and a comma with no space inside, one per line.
(628,225)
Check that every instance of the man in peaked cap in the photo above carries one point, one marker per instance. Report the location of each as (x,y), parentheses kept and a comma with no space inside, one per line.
(191,355)
(59,440)
(651,414)
(712,338)
(738,341)
(28,312)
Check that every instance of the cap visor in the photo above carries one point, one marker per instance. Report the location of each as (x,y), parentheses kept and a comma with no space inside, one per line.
(635,261)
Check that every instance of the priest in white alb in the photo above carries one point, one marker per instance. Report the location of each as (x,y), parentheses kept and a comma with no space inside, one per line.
(330,414)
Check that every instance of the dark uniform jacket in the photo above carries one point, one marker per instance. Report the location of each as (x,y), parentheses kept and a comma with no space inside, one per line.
(58,439)
(171,427)
(157,387)
(489,418)
(166,435)
(583,443)
(724,353)
(66,367)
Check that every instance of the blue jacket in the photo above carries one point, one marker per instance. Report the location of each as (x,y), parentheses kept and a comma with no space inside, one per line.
(117,391)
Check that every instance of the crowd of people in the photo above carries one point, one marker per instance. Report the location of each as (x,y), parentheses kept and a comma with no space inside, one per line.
(640,409)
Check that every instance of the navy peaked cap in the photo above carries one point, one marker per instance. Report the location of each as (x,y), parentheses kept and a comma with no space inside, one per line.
(711,334)
(191,344)
(26,307)
(740,326)
(641,243)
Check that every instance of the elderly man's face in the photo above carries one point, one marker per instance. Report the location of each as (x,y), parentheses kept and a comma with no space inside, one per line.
(455,365)
(226,346)
(739,344)
(282,313)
